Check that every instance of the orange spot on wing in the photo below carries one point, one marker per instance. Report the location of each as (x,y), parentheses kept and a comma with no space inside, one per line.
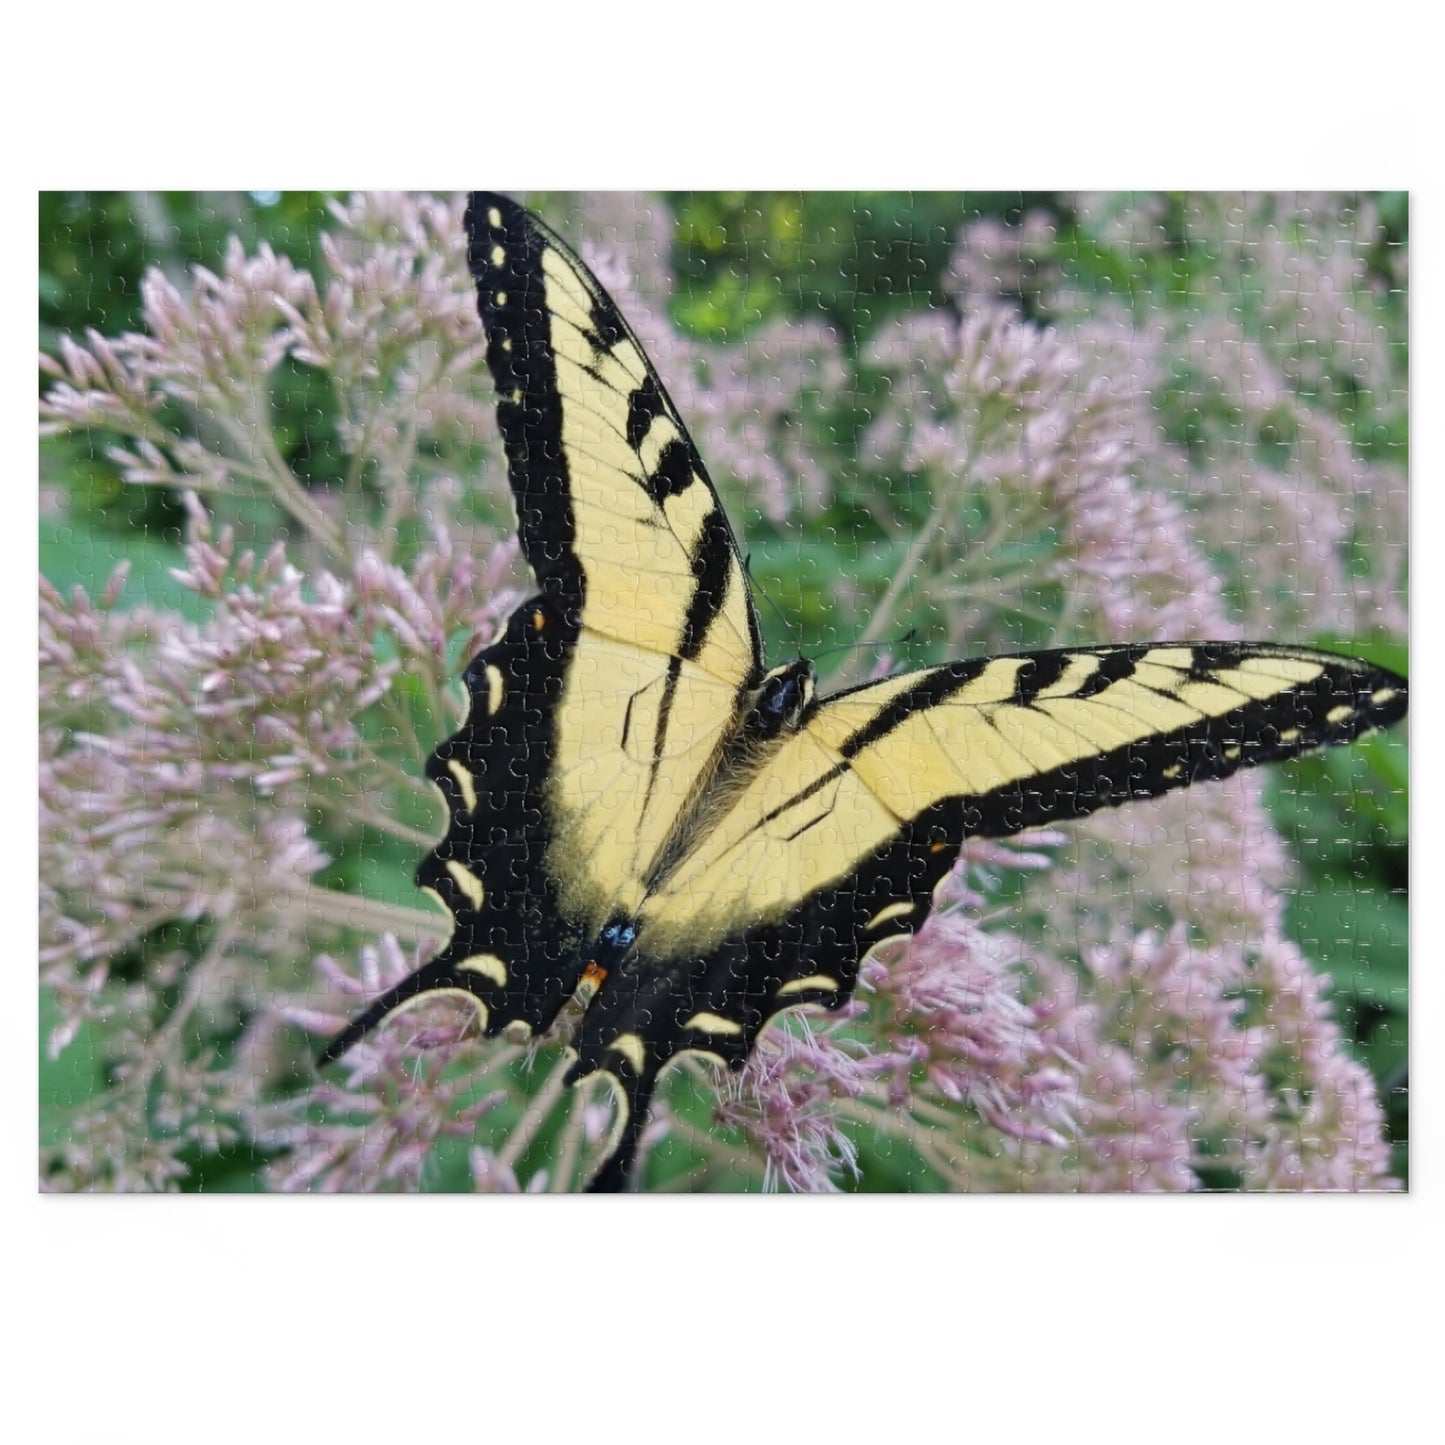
(591,980)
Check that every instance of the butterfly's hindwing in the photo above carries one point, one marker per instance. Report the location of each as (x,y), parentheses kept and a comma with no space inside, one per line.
(512,950)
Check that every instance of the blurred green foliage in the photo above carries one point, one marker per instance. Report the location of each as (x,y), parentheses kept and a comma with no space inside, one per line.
(95,248)
(855,257)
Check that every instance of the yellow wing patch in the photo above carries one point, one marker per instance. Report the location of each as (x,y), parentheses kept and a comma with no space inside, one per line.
(625,770)
(638,542)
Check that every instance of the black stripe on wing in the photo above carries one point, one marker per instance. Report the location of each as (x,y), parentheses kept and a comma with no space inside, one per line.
(1347,698)
(505,257)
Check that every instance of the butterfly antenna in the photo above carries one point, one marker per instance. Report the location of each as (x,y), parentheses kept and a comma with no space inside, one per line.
(886,644)
(763,593)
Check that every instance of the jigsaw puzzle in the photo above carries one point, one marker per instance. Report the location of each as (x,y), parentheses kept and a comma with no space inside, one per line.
(812,652)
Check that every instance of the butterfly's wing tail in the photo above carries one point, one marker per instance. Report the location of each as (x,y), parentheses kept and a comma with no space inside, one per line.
(436,978)
(645,1017)
(634,1089)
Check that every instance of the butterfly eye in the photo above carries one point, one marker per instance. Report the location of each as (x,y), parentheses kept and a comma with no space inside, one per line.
(779,702)
(781,699)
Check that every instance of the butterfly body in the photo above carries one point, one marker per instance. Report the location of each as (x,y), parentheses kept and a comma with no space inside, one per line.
(644,816)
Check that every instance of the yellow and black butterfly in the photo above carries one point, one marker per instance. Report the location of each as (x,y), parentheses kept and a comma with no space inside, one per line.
(640,810)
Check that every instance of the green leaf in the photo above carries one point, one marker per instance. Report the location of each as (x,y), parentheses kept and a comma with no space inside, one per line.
(68,1082)
(73,554)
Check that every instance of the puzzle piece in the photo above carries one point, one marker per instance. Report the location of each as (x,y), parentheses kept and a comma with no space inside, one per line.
(708,882)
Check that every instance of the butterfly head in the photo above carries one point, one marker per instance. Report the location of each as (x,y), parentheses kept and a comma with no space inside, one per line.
(782,698)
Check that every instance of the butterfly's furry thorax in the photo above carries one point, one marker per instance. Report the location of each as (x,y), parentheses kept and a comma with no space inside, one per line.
(766,716)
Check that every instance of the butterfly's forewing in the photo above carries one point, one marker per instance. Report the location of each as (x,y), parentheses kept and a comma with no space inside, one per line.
(625,532)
